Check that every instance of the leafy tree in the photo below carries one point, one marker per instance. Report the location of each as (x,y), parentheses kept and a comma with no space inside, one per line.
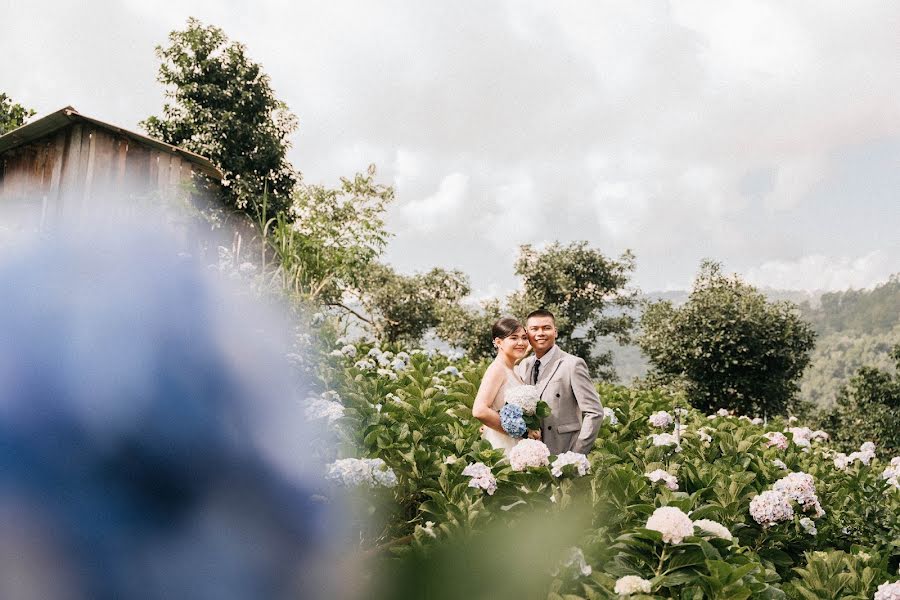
(730,346)
(469,328)
(12,114)
(587,293)
(867,410)
(405,307)
(323,254)
(857,311)
(223,107)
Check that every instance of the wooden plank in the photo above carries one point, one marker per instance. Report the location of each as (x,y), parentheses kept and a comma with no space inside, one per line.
(59,148)
(137,171)
(121,159)
(69,181)
(162,181)
(88,188)
(175,189)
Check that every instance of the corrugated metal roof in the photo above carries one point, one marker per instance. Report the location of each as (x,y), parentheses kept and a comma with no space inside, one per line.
(64,116)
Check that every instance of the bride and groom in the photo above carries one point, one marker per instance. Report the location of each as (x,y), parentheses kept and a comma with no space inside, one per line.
(562,381)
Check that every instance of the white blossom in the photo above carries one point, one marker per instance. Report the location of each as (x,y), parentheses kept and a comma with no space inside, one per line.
(777,439)
(663,439)
(808,526)
(451,370)
(714,528)
(801,488)
(364,365)
(320,408)
(387,373)
(771,507)
(349,350)
(529,453)
(841,461)
(570,458)
(574,558)
(672,523)
(631,584)
(481,477)
(659,475)
(661,419)
(363,472)
(780,464)
(888,591)
(609,414)
(703,434)
(398,365)
(525,397)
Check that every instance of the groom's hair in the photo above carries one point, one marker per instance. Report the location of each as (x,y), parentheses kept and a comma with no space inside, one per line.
(541,312)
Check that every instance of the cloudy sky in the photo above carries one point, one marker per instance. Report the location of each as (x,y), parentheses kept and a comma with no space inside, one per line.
(762,134)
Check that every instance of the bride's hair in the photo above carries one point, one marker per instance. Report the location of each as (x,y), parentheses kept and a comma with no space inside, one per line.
(504,327)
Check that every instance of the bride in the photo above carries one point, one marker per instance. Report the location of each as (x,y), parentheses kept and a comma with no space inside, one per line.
(512,346)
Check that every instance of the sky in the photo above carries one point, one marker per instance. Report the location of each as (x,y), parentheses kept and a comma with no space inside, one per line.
(763,134)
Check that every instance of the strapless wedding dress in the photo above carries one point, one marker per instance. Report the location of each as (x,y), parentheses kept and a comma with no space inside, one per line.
(496,438)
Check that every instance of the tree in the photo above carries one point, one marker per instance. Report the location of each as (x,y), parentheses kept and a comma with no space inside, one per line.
(587,293)
(224,108)
(730,346)
(405,307)
(469,328)
(323,249)
(866,410)
(12,114)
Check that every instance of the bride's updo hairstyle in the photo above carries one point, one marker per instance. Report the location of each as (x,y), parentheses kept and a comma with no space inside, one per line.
(504,327)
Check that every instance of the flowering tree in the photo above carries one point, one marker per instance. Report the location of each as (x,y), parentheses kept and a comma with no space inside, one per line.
(732,347)
(223,107)
(12,114)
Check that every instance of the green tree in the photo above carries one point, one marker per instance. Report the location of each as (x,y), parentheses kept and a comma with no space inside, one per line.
(469,327)
(867,409)
(405,307)
(337,233)
(12,114)
(587,293)
(223,107)
(729,345)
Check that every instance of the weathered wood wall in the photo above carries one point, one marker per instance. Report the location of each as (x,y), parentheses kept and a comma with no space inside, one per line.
(57,177)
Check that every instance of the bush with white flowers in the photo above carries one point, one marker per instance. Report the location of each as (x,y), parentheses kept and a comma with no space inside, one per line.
(529,453)
(672,523)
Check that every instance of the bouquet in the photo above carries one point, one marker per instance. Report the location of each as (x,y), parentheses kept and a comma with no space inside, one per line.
(523,410)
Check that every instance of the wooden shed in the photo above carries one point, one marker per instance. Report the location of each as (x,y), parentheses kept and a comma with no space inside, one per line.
(55,166)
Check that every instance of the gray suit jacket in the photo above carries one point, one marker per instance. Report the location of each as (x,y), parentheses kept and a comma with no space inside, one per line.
(565,384)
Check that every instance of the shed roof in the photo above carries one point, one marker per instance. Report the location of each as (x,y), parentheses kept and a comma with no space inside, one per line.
(64,116)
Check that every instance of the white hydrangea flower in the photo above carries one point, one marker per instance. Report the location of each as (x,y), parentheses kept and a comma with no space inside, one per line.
(481,477)
(428,529)
(792,419)
(771,507)
(780,464)
(525,397)
(336,353)
(362,472)
(609,414)
(529,453)
(892,472)
(659,475)
(681,412)
(402,356)
(713,528)
(672,523)
(722,412)
(888,591)
(631,584)
(819,435)
(663,439)
(320,408)
(777,439)
(364,365)
(570,458)
(808,526)
(661,419)
(867,447)
(374,353)
(349,350)
(756,421)
(863,456)
(398,365)
(387,373)
(802,436)
(841,461)
(801,488)
(451,370)
(574,557)
(703,434)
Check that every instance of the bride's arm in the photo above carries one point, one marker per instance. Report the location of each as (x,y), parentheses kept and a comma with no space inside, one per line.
(487,391)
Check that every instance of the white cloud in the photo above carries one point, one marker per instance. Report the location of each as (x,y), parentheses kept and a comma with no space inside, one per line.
(438,209)
(829,273)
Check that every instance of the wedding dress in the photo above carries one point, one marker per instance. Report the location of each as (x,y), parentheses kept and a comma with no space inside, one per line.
(500,439)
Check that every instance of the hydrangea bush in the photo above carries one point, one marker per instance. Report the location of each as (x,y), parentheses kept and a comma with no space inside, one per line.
(726,506)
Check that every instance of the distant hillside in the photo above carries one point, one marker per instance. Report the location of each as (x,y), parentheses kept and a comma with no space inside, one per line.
(872,311)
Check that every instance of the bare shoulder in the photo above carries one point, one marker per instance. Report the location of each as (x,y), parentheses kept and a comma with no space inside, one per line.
(494,372)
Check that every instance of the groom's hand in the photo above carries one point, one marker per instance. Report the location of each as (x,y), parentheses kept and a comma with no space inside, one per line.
(534,434)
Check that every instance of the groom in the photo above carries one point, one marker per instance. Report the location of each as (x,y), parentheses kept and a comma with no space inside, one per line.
(564,383)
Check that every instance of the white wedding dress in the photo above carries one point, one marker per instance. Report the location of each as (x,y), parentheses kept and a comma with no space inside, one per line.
(500,439)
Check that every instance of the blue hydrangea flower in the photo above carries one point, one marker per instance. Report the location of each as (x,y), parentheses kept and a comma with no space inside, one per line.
(512,421)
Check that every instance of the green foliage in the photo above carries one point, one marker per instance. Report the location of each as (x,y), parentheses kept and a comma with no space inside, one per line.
(338,233)
(867,409)
(418,420)
(223,107)
(12,114)
(405,307)
(731,347)
(470,328)
(859,311)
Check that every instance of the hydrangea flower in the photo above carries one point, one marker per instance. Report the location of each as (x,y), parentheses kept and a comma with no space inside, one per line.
(481,477)
(387,373)
(525,397)
(865,455)
(841,461)
(780,464)
(661,419)
(512,420)
(808,526)
(364,365)
(713,528)
(888,591)
(362,472)
(451,370)
(398,365)
(672,523)
(349,350)
(703,434)
(771,507)
(570,458)
(659,475)
(374,353)
(320,408)
(574,557)
(777,439)
(663,439)
(799,487)
(631,584)
(802,436)
(529,453)
(609,414)
(681,412)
